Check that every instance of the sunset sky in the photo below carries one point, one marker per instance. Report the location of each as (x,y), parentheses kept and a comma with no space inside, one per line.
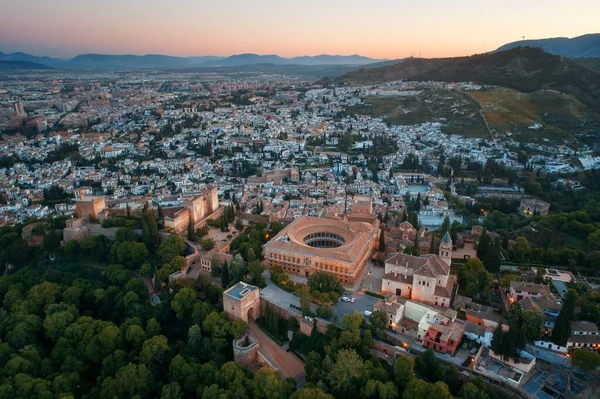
(375,28)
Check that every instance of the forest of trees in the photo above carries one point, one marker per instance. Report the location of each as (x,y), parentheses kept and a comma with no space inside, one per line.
(76,321)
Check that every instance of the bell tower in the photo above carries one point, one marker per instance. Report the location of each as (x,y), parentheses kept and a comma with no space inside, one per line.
(446,249)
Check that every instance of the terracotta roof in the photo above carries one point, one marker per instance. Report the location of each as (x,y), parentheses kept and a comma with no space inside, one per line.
(451,313)
(530,304)
(548,302)
(436,265)
(584,339)
(446,291)
(388,307)
(361,217)
(356,236)
(586,326)
(409,324)
(529,287)
(406,226)
(399,278)
(474,329)
(452,331)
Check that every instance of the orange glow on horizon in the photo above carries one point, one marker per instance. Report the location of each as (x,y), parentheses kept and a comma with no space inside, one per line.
(379,28)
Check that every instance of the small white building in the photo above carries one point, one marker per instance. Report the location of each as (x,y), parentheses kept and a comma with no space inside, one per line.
(479,334)
(393,309)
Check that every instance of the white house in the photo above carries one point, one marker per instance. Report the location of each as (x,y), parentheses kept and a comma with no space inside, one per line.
(521,289)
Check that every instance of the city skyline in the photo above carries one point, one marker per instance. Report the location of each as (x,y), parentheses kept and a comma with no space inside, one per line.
(381,29)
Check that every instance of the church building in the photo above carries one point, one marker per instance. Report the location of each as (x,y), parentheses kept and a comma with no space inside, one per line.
(424,278)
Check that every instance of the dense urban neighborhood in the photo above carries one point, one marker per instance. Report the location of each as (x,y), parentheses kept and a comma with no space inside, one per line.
(180,233)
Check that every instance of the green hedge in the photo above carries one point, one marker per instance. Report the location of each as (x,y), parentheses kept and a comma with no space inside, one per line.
(374,294)
(275,338)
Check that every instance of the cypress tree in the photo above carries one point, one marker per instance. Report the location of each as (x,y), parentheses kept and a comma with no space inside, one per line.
(413,218)
(497,339)
(382,241)
(493,258)
(521,337)
(484,245)
(433,247)
(225,275)
(150,235)
(191,234)
(445,226)
(418,203)
(160,212)
(146,234)
(562,328)
(404,216)
(128,212)
(508,344)
(251,255)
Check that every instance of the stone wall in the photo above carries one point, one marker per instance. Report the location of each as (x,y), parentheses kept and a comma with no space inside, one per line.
(306,327)
(245,350)
(81,231)
(254,218)
(90,207)
(215,215)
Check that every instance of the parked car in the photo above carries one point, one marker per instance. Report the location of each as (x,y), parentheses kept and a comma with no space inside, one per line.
(345,299)
(352,300)
(367,313)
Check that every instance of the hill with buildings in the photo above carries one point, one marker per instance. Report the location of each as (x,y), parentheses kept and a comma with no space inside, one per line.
(524,69)
(577,47)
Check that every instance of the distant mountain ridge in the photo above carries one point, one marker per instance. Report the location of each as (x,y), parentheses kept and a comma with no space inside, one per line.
(21,66)
(577,47)
(323,59)
(128,61)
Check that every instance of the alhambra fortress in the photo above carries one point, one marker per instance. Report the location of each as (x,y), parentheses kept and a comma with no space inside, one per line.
(419,295)
(418,290)
(197,209)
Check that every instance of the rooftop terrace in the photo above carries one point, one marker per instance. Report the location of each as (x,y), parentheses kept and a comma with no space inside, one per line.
(240,290)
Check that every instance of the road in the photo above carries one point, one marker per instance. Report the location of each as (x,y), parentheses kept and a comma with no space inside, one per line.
(289,365)
(278,296)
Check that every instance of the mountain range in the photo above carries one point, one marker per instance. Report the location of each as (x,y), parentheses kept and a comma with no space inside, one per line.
(127,61)
(21,66)
(577,47)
